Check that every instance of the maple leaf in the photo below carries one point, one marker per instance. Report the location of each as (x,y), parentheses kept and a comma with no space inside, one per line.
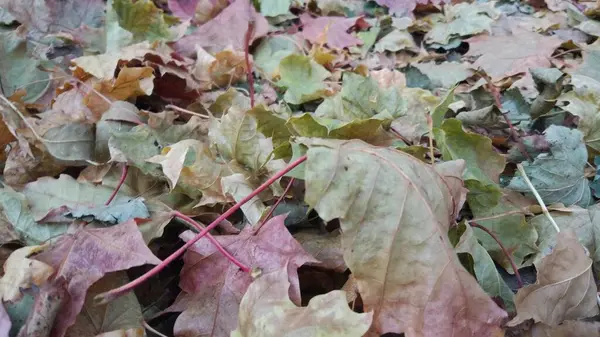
(460,20)
(407,6)
(565,287)
(213,287)
(324,247)
(266,310)
(525,50)
(142,18)
(402,242)
(302,77)
(122,314)
(212,37)
(329,30)
(97,251)
(5,323)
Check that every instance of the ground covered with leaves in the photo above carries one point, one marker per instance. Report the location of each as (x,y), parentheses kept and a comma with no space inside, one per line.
(299,168)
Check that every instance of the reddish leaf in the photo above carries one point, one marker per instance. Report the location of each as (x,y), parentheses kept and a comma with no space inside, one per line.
(214,286)
(213,37)
(5,323)
(329,29)
(183,9)
(83,257)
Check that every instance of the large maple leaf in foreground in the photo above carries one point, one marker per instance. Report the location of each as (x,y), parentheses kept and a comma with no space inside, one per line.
(395,212)
(213,286)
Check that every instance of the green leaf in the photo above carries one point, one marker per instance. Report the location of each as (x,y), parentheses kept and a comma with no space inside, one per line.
(19,69)
(142,18)
(48,193)
(16,209)
(303,79)
(395,41)
(71,142)
(115,213)
(271,126)
(275,7)
(484,165)
(370,130)
(134,147)
(558,176)
(439,112)
(460,20)
(506,219)
(391,223)
(485,270)
(271,51)
(361,98)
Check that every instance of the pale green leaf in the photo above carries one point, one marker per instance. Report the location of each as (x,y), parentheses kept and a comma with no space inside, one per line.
(485,270)
(173,158)
(275,7)
(303,79)
(115,213)
(269,53)
(266,310)
(239,187)
(462,20)
(395,41)
(134,147)
(446,74)
(16,209)
(71,142)
(558,176)
(361,98)
(439,112)
(394,236)
(142,18)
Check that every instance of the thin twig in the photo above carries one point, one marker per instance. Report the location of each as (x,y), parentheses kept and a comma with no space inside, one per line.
(287,189)
(148,327)
(189,112)
(212,239)
(112,294)
(249,76)
(124,170)
(538,197)
(504,250)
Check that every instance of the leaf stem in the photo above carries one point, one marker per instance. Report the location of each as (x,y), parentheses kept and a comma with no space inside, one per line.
(112,294)
(287,189)
(247,59)
(124,170)
(212,239)
(538,197)
(504,250)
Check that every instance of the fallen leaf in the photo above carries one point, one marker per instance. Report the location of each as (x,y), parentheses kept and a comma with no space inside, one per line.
(266,309)
(462,20)
(173,158)
(212,37)
(114,213)
(445,75)
(303,78)
(142,18)
(5,323)
(565,287)
(329,30)
(213,287)
(558,176)
(386,260)
(485,270)
(97,251)
(121,314)
(325,247)
(21,273)
(407,6)
(271,50)
(567,329)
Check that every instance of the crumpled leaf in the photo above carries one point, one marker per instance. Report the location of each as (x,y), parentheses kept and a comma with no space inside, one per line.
(213,287)
(120,314)
(461,20)
(16,209)
(212,37)
(266,310)
(114,213)
(330,30)
(21,272)
(173,159)
(392,252)
(97,251)
(395,41)
(565,287)
(134,147)
(361,98)
(238,187)
(407,6)
(485,270)
(558,176)
(302,77)
(567,329)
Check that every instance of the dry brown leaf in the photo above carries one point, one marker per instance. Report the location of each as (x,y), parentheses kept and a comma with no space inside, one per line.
(325,247)
(567,329)
(565,287)
(21,273)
